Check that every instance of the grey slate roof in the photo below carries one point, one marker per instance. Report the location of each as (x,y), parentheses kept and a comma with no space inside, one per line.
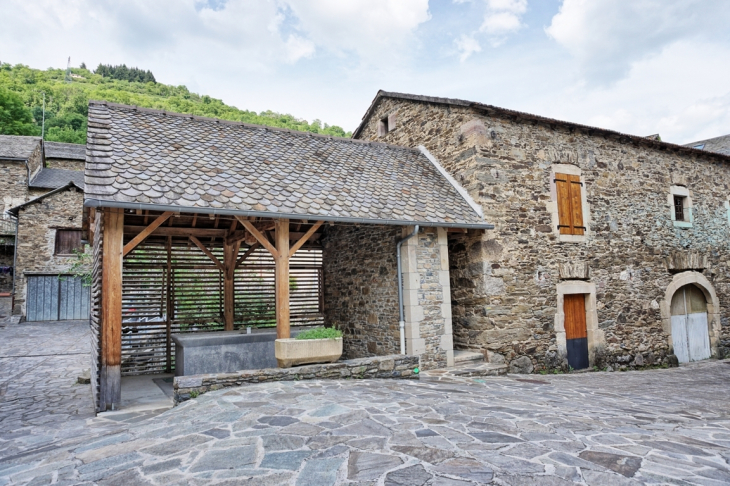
(54,178)
(529,117)
(720,145)
(58,150)
(17,146)
(138,157)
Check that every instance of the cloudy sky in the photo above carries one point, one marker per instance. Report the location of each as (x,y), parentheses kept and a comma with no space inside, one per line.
(637,66)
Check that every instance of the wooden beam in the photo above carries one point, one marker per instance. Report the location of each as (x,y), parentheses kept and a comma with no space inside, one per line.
(195,220)
(110,393)
(230,251)
(168,307)
(208,252)
(248,253)
(259,237)
(177,231)
(146,232)
(304,238)
(282,278)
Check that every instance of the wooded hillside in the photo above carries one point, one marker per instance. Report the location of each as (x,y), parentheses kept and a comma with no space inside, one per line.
(67,102)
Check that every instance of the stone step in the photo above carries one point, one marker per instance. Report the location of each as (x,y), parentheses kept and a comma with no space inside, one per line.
(462,356)
(464,371)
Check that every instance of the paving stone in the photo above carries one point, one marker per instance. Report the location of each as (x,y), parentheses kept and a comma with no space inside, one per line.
(427,454)
(495,437)
(408,476)
(159,467)
(233,458)
(624,465)
(320,472)
(367,465)
(290,460)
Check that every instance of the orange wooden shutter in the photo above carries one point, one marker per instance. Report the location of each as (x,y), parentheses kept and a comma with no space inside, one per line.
(576,205)
(565,219)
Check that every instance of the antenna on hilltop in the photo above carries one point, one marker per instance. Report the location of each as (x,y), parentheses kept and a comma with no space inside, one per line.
(68,70)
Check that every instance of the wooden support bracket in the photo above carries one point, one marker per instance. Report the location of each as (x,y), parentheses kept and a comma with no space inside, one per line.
(146,232)
(304,238)
(208,252)
(247,254)
(259,237)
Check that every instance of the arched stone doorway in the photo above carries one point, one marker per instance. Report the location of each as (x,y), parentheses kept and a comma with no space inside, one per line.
(690,332)
(690,314)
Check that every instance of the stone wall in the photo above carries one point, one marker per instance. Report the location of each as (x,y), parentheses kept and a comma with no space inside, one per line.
(397,366)
(65,164)
(13,184)
(37,224)
(361,291)
(504,282)
(361,287)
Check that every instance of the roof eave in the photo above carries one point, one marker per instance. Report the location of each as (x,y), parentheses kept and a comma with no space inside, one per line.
(100,203)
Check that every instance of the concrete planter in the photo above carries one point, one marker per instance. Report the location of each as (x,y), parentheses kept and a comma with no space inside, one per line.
(292,352)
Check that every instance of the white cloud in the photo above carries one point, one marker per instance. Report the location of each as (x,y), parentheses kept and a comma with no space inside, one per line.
(608,36)
(467,46)
(501,18)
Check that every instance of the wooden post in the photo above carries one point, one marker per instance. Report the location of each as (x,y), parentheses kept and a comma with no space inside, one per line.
(111,309)
(230,252)
(282,278)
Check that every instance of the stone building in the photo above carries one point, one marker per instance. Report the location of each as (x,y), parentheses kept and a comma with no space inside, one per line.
(36,177)
(608,250)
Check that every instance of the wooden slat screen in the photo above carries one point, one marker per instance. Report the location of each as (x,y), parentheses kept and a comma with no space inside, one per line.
(96,308)
(196,294)
(570,207)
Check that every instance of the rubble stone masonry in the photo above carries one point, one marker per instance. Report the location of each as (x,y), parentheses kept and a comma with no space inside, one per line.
(361,291)
(37,224)
(505,283)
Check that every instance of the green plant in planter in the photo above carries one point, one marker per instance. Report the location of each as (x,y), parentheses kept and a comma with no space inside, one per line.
(320,333)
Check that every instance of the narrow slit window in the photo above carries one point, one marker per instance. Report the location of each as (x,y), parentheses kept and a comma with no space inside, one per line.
(679,208)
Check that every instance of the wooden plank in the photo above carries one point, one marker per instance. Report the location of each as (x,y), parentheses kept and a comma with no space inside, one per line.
(177,231)
(208,252)
(574,308)
(229,259)
(304,238)
(248,253)
(282,278)
(111,308)
(261,238)
(146,232)
(168,307)
(565,218)
(576,204)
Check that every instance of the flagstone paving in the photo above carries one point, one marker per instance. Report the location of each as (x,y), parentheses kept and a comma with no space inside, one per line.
(650,427)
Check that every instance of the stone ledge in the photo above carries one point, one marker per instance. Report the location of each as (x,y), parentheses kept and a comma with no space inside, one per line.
(396,366)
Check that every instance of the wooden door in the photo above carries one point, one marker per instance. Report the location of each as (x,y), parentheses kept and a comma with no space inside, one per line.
(576,335)
(690,331)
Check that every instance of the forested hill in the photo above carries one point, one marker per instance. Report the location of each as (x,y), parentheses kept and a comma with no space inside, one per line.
(67,97)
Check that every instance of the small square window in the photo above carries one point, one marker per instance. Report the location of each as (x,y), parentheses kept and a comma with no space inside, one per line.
(67,241)
(699,147)
(383,126)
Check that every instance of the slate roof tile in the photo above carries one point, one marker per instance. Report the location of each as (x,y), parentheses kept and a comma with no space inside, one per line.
(137,155)
(55,178)
(17,146)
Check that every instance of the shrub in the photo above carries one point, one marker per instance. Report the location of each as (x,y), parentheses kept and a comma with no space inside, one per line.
(321,333)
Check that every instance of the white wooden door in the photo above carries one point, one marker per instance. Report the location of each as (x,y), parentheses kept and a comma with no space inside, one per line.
(698,336)
(690,333)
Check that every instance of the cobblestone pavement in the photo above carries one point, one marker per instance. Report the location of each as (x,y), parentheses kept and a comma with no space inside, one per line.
(649,427)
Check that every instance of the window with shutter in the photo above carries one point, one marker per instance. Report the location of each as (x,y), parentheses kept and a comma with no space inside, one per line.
(570,205)
(67,241)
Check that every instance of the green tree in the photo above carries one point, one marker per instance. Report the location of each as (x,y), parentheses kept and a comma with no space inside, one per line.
(15,118)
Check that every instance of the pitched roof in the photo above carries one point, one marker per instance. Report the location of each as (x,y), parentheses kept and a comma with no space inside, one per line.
(519,115)
(140,158)
(14,210)
(17,146)
(53,178)
(720,145)
(58,150)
